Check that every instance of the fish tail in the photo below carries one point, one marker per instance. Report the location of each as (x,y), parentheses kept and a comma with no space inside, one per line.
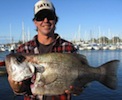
(108,75)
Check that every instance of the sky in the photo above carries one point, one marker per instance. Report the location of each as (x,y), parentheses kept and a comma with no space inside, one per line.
(82,19)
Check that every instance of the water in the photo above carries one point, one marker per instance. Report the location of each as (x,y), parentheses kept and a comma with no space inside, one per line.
(95,91)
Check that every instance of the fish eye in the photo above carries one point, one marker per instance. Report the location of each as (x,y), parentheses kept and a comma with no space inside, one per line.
(20,58)
(39,68)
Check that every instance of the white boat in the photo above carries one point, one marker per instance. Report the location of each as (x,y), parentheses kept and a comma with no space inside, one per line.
(105,47)
(81,48)
(112,47)
(12,47)
(2,49)
(120,46)
(89,47)
(96,47)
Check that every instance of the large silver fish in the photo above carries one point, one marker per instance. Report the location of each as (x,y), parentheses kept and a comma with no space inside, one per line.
(56,72)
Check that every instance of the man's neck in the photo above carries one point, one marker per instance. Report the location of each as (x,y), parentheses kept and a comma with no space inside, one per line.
(45,39)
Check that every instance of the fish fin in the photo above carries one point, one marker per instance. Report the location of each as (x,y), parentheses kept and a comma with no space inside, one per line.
(80,57)
(46,79)
(108,75)
(50,79)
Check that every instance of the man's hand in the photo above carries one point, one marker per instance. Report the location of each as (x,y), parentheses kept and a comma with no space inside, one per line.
(17,87)
(74,90)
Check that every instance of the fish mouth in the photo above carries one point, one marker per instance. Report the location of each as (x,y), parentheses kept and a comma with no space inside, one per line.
(25,70)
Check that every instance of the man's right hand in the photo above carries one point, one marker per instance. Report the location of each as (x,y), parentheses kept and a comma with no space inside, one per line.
(17,87)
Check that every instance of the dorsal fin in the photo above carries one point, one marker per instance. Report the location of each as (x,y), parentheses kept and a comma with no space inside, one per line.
(80,57)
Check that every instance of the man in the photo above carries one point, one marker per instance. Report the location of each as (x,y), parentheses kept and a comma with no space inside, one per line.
(45,41)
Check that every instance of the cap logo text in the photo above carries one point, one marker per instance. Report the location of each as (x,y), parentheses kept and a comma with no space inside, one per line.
(43,5)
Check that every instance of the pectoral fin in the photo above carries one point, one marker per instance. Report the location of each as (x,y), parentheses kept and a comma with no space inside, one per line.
(50,78)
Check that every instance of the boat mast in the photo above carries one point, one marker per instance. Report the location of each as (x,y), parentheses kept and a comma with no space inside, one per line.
(23,33)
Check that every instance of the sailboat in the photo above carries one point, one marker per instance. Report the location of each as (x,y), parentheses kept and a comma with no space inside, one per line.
(112,46)
(12,45)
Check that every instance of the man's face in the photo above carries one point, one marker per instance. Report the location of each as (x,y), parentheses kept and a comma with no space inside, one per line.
(45,22)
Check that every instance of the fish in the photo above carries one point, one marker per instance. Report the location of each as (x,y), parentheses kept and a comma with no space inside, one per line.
(56,72)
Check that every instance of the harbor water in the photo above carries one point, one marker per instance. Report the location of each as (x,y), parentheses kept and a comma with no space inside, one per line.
(95,90)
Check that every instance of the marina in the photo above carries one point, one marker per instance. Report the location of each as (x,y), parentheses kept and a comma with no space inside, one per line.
(97,46)
(100,43)
(95,90)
